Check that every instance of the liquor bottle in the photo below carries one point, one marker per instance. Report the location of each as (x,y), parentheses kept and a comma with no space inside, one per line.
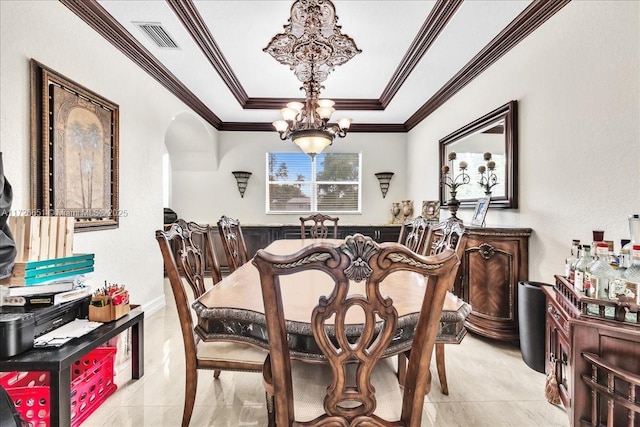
(632,273)
(598,236)
(581,266)
(613,258)
(599,274)
(571,259)
(634,230)
(572,272)
(619,283)
(624,259)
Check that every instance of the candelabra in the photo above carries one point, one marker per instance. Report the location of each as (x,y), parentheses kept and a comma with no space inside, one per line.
(453,182)
(488,177)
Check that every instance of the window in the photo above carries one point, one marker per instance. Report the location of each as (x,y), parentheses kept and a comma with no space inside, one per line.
(330,182)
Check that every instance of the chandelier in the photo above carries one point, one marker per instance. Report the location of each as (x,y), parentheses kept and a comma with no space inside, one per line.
(312,45)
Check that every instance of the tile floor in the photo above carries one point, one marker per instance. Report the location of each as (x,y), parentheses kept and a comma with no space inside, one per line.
(489,385)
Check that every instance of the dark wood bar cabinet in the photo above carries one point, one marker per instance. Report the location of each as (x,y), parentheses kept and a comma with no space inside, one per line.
(593,349)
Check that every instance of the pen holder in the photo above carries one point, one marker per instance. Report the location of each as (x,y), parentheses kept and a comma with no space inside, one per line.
(102,308)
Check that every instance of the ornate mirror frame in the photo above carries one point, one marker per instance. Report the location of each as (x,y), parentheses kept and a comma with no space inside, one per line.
(466,143)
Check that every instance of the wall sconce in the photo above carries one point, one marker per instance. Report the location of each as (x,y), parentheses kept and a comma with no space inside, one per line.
(384,178)
(242,177)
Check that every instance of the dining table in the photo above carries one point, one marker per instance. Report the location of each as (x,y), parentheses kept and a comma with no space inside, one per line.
(233,308)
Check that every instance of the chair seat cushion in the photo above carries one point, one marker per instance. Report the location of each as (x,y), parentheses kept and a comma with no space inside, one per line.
(230,351)
(310,382)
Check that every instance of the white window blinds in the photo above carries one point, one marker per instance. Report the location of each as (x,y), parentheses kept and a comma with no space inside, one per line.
(328,183)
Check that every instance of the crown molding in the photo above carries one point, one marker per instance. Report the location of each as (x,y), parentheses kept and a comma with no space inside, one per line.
(431,29)
(191,19)
(355,127)
(531,18)
(103,23)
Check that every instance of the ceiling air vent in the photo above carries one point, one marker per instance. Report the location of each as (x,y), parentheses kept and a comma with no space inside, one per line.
(157,34)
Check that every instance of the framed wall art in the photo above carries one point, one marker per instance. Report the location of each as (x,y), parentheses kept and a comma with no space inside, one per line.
(482,205)
(431,210)
(74,151)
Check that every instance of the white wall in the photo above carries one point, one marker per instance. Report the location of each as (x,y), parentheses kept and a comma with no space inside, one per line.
(48,32)
(204,196)
(577,82)
(576,79)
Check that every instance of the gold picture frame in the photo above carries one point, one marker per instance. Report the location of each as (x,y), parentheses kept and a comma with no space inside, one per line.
(74,151)
(431,210)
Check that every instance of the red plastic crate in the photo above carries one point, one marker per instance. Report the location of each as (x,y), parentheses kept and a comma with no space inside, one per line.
(91,383)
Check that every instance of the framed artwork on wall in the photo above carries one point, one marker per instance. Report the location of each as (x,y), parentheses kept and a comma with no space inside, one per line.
(431,210)
(74,151)
(481,211)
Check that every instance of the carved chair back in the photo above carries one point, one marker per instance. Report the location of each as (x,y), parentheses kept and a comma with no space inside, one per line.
(202,236)
(449,234)
(233,243)
(446,234)
(318,230)
(359,261)
(413,234)
(186,257)
(181,254)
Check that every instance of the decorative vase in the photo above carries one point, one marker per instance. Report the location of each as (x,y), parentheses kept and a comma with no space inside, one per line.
(407,209)
(395,211)
(453,205)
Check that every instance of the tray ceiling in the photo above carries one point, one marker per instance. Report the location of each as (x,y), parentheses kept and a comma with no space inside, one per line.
(415,54)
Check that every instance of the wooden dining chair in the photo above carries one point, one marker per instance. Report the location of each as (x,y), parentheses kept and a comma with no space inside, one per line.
(449,234)
(233,243)
(209,355)
(319,226)
(356,385)
(444,235)
(413,234)
(202,235)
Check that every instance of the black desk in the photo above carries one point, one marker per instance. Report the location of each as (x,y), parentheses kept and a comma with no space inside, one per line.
(58,361)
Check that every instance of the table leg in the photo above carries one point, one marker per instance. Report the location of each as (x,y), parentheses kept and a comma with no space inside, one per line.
(137,355)
(60,397)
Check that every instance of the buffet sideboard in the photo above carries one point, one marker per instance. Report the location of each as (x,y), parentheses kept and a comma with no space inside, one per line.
(495,260)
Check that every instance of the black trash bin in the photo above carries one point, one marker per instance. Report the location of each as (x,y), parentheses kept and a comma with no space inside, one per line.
(531,323)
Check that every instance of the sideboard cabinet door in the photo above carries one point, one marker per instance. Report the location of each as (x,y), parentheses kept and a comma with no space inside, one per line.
(495,260)
(380,233)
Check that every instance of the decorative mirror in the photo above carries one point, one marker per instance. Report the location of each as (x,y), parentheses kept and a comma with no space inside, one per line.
(495,133)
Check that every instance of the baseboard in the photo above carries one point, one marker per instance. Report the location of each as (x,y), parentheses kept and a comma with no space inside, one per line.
(154,305)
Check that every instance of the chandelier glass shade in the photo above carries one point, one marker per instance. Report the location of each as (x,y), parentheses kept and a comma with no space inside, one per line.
(307,125)
(312,45)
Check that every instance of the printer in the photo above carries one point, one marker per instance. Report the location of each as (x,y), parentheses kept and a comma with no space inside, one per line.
(19,326)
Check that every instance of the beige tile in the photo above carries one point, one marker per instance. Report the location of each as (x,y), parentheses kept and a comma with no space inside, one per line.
(494,414)
(489,385)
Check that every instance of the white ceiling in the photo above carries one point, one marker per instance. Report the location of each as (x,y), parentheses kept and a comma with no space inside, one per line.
(383,30)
